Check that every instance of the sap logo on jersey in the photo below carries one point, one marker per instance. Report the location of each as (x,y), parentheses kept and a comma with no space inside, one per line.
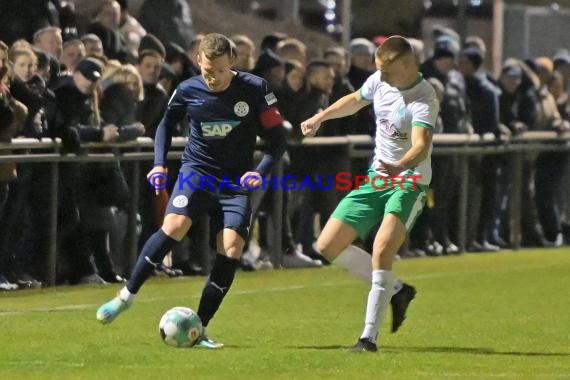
(218,129)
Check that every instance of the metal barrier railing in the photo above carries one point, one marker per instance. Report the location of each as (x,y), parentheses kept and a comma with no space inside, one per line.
(345,148)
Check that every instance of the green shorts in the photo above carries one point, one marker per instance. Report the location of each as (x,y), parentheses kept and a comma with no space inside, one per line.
(364,207)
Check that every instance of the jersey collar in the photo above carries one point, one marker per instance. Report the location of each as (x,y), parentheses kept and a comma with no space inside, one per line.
(419,78)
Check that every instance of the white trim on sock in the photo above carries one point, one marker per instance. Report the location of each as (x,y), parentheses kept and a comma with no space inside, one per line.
(125,295)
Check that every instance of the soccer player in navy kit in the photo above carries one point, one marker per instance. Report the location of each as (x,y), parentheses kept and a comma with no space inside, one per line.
(227,109)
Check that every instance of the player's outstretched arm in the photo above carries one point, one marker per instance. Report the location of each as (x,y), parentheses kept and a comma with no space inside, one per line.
(345,106)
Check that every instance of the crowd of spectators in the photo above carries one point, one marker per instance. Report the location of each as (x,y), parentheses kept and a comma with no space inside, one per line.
(113,83)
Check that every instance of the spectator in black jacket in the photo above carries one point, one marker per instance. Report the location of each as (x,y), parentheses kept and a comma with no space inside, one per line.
(77,120)
(549,165)
(272,68)
(512,115)
(149,113)
(30,198)
(290,94)
(103,186)
(31,90)
(441,66)
(182,65)
(361,67)
(152,107)
(483,100)
(338,59)
(106,27)
(12,116)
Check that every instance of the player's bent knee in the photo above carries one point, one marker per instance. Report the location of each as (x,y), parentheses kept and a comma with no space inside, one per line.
(328,249)
(233,251)
(176,226)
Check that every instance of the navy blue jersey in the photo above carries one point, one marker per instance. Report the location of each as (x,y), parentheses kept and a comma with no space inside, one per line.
(223,125)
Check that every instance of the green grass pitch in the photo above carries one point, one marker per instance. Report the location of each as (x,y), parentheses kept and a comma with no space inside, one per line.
(486,316)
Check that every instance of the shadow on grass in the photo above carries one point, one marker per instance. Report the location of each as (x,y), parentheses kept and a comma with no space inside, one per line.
(446,350)
(332,347)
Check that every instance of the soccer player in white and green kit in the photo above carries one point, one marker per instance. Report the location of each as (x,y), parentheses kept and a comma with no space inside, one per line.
(405,108)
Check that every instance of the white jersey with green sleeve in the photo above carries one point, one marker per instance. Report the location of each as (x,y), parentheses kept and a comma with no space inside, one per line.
(396,112)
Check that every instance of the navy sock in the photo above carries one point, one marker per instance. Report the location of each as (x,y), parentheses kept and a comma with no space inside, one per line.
(152,254)
(217,286)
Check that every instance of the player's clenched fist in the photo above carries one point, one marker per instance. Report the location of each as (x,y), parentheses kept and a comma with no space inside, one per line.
(310,126)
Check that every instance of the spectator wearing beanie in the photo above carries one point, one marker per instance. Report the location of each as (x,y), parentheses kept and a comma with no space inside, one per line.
(561,62)
(168,79)
(176,57)
(150,42)
(270,41)
(270,67)
(444,58)
(361,60)
(361,67)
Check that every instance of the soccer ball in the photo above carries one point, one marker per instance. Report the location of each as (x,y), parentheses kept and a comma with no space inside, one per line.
(180,327)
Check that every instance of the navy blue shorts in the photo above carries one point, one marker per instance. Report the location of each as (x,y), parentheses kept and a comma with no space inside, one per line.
(227,208)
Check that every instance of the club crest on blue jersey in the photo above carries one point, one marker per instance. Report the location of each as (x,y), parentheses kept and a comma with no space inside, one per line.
(241,109)
(218,129)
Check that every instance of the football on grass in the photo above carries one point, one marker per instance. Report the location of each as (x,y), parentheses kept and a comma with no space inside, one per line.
(180,327)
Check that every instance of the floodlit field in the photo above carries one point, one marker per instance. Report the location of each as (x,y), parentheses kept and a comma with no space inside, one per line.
(484,316)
